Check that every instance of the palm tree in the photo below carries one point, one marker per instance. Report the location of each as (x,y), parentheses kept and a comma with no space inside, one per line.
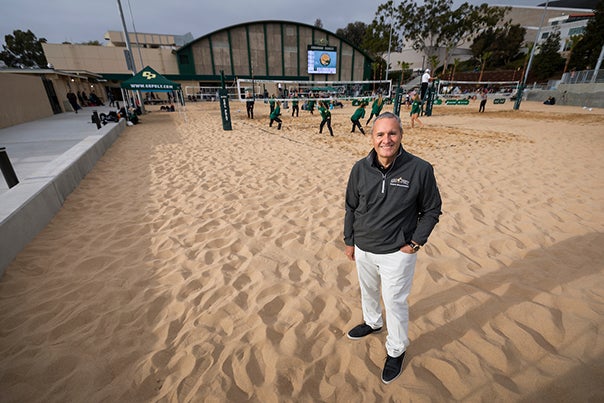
(571,44)
(404,66)
(455,64)
(484,58)
(433,61)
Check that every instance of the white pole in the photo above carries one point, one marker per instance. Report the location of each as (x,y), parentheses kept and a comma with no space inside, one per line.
(126,37)
(136,36)
(528,67)
(598,64)
(389,42)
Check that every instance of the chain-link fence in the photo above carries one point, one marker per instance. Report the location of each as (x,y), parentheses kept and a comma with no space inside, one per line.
(582,77)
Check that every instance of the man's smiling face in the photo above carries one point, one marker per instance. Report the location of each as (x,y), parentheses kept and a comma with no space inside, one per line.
(386,139)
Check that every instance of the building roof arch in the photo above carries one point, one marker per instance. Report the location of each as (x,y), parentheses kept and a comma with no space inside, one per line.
(269,49)
(243,24)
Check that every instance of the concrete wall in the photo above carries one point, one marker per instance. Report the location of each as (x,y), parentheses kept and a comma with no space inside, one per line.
(530,17)
(23,99)
(63,84)
(28,207)
(589,95)
(107,59)
(117,38)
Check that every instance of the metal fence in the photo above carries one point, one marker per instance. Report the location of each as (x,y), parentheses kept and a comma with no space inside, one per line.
(582,77)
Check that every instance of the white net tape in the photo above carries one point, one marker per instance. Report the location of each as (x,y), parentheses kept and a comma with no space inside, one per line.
(467,89)
(318,90)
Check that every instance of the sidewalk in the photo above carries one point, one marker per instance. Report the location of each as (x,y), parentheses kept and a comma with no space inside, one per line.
(49,156)
(32,145)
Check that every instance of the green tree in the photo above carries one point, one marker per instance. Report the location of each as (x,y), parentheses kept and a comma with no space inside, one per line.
(318,23)
(353,33)
(433,62)
(503,42)
(23,49)
(571,44)
(404,66)
(380,36)
(92,43)
(464,22)
(548,61)
(434,24)
(382,33)
(378,69)
(509,44)
(455,64)
(483,62)
(585,54)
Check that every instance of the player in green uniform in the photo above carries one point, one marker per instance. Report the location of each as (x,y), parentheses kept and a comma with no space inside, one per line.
(416,107)
(357,116)
(275,115)
(376,108)
(295,108)
(326,116)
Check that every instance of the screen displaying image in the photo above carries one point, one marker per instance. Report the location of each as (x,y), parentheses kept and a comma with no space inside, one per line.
(321,61)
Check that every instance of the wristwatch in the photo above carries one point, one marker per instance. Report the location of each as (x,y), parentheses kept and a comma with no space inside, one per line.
(414,246)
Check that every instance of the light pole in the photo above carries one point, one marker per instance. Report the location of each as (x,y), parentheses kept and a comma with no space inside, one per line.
(528,67)
(136,36)
(130,55)
(127,39)
(389,41)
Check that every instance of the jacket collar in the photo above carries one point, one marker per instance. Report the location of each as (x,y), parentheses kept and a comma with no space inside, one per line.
(373,161)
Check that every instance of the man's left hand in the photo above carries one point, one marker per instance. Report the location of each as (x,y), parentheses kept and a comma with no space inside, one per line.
(408,249)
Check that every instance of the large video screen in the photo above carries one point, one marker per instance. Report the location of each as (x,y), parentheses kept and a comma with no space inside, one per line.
(322,59)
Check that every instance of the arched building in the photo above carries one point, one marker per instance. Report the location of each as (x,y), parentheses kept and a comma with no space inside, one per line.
(271,50)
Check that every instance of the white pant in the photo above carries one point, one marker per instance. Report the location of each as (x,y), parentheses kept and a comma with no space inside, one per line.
(394,273)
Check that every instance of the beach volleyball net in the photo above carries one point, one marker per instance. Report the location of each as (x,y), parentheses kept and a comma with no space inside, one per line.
(458,92)
(208,93)
(318,90)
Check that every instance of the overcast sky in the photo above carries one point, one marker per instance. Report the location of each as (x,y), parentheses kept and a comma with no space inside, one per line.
(87,20)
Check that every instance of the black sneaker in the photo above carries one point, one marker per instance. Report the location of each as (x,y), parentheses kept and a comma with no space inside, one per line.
(392,368)
(362,330)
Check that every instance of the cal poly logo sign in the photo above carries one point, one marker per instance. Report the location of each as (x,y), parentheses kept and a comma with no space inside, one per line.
(148,75)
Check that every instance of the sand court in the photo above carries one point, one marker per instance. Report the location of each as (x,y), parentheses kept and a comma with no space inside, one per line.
(196,264)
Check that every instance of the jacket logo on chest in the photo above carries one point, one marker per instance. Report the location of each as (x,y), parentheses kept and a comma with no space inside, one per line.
(399,182)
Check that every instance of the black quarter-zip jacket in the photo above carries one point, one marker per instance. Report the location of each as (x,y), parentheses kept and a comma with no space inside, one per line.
(386,210)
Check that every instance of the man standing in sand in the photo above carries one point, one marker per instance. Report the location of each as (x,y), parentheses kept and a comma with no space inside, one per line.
(392,206)
(483,99)
(249,105)
(295,108)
